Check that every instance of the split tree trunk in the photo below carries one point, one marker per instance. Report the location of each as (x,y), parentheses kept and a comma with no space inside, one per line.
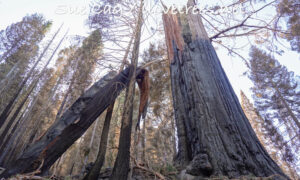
(72,124)
(95,170)
(215,138)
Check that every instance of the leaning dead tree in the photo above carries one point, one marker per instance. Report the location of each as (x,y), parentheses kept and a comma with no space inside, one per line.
(72,124)
(214,136)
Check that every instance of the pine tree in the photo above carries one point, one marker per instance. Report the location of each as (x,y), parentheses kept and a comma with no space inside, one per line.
(254,117)
(290,9)
(273,143)
(19,47)
(31,29)
(276,92)
(276,96)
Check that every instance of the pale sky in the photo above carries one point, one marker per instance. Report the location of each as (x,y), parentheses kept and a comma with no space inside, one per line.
(63,11)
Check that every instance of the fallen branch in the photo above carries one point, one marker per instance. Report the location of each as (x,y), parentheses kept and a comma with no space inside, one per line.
(157,174)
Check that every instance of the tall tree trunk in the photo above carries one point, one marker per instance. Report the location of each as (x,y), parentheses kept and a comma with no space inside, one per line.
(94,172)
(75,158)
(15,115)
(144,142)
(8,143)
(8,148)
(27,94)
(289,110)
(37,131)
(121,167)
(5,82)
(214,135)
(86,155)
(4,115)
(72,124)
(62,105)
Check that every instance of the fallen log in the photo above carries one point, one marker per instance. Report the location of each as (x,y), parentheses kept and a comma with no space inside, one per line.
(72,124)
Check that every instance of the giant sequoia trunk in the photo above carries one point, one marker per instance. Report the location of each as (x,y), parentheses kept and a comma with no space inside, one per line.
(72,124)
(214,136)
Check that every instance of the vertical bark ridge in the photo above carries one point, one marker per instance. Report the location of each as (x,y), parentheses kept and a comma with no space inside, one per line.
(214,134)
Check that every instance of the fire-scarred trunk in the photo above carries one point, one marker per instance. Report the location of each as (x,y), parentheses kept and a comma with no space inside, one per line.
(214,136)
(71,125)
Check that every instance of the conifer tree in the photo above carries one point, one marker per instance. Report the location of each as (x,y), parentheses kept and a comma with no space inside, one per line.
(274,144)
(254,117)
(276,92)
(31,29)
(18,48)
(276,96)
(290,10)
(18,59)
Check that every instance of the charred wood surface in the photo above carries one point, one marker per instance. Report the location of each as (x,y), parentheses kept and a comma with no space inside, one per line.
(72,124)
(214,136)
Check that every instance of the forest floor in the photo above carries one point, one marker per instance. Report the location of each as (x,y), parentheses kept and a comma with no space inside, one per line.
(141,173)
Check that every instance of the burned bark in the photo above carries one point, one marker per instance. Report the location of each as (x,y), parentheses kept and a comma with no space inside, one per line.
(214,136)
(72,124)
(121,167)
(95,170)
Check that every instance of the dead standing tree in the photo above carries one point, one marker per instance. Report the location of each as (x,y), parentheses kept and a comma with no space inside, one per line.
(121,167)
(215,137)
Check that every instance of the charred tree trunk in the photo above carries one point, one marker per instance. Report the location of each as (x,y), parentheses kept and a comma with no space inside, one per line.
(215,137)
(31,88)
(121,167)
(95,171)
(72,124)
(86,155)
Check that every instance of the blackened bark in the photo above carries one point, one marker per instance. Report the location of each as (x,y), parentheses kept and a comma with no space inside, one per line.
(95,171)
(73,123)
(121,167)
(31,88)
(214,135)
